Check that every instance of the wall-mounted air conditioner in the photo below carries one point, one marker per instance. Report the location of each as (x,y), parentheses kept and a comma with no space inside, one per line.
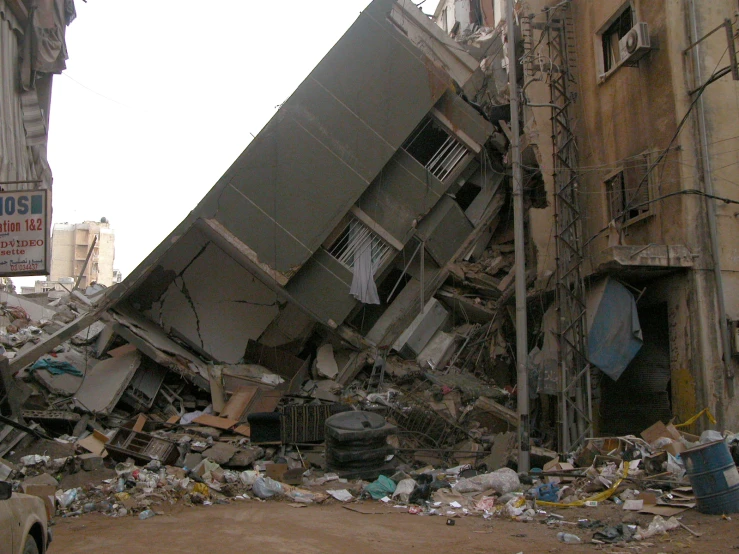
(635,45)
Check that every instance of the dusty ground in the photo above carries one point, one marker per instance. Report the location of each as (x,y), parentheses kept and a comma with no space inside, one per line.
(277,527)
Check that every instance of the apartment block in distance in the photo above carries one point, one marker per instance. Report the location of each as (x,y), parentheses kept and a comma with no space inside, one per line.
(70,244)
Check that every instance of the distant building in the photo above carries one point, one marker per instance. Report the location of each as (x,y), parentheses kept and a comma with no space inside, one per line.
(117,276)
(64,285)
(70,244)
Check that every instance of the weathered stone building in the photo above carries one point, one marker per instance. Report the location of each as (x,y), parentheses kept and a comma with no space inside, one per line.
(653,116)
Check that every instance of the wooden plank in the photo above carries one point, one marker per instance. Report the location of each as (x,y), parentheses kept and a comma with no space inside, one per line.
(266,401)
(498,410)
(121,350)
(238,402)
(140,422)
(244,430)
(214,421)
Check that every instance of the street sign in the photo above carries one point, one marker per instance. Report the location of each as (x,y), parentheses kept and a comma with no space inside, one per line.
(24,233)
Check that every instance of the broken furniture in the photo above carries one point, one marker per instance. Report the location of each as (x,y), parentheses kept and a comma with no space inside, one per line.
(142,447)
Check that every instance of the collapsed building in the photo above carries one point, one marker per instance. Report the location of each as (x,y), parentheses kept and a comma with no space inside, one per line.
(364,241)
(367,225)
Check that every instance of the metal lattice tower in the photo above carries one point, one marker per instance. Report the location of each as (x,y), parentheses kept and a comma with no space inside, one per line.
(574,386)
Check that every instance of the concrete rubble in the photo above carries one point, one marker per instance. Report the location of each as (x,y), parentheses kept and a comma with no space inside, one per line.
(447,449)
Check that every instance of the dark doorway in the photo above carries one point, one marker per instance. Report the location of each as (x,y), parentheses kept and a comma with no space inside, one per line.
(641,396)
(368,314)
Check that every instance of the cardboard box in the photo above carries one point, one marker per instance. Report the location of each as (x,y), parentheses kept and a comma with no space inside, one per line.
(675,448)
(45,493)
(659,430)
(276,471)
(555,466)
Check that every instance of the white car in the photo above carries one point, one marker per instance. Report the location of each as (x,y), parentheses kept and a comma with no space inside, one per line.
(23,522)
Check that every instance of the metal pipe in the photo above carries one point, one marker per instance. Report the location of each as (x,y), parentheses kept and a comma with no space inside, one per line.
(710,204)
(84,266)
(522,349)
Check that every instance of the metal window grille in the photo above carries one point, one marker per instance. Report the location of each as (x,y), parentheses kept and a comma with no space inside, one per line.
(446,159)
(435,148)
(355,237)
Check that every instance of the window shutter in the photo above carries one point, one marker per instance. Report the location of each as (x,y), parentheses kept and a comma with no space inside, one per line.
(636,186)
(615,195)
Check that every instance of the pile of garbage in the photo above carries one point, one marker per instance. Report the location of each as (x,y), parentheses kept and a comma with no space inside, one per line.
(123,420)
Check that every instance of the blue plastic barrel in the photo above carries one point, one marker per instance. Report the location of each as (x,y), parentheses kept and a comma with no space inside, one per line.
(714,478)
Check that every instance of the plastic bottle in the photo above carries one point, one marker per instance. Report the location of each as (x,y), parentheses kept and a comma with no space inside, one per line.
(568,538)
(146,514)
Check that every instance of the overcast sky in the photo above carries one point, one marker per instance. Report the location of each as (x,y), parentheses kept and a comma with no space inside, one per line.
(160,97)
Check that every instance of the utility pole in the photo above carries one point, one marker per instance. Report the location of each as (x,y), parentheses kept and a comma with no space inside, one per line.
(522,348)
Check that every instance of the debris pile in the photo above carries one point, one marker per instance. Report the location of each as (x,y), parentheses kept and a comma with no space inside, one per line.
(128,427)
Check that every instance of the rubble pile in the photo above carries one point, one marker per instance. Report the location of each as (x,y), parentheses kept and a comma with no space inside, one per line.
(106,427)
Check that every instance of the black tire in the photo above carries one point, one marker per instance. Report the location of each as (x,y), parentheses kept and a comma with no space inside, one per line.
(30,547)
(364,444)
(337,455)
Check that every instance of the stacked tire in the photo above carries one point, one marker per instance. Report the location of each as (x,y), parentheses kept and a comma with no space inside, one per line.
(356,442)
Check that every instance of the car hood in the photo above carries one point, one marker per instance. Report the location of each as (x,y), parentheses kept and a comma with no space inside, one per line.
(26,505)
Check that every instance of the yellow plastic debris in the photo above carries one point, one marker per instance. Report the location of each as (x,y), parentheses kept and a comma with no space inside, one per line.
(600,497)
(201,488)
(693,419)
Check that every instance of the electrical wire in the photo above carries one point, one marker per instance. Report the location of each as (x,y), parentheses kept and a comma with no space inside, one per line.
(687,192)
(698,93)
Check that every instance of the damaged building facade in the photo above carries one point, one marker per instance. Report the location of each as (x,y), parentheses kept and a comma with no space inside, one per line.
(32,51)
(345,212)
(628,115)
(367,231)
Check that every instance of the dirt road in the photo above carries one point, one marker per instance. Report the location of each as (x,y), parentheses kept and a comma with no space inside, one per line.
(277,527)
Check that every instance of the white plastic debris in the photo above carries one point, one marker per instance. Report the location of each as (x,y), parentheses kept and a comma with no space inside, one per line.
(248,477)
(265,487)
(65,498)
(34,459)
(342,495)
(658,526)
(502,481)
(710,436)
(404,489)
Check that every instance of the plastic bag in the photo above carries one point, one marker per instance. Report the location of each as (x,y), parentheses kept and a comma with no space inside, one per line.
(384,486)
(404,490)
(301,496)
(658,526)
(710,436)
(265,487)
(675,466)
(248,477)
(502,481)
(67,497)
(34,459)
(467,485)
(516,506)
(486,504)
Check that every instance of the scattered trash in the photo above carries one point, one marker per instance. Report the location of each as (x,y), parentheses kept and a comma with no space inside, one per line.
(568,538)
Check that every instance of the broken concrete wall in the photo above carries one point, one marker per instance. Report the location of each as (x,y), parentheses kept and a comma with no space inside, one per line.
(203,296)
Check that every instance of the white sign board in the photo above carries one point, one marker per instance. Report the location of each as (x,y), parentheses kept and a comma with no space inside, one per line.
(24,233)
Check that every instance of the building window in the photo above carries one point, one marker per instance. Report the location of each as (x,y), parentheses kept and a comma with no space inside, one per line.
(353,239)
(612,32)
(629,193)
(434,148)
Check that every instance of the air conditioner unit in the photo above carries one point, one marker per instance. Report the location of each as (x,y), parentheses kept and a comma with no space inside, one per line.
(635,44)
